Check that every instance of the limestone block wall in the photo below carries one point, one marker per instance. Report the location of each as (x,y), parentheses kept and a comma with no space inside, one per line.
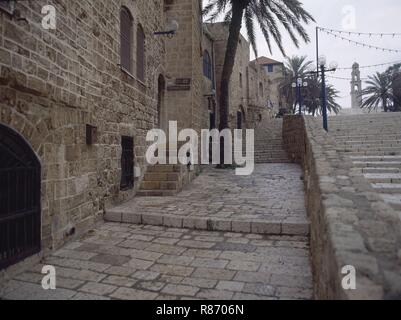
(238,95)
(259,92)
(184,60)
(274,80)
(54,82)
(350,224)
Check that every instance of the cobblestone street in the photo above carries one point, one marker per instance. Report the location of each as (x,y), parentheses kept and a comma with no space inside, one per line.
(118,261)
(271,200)
(134,261)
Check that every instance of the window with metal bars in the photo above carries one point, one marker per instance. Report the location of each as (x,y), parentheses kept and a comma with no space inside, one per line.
(140,53)
(126,25)
(127,163)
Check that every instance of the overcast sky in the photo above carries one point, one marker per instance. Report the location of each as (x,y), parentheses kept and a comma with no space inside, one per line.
(370,16)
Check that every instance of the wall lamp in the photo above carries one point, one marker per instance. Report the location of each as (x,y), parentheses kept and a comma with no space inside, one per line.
(171,29)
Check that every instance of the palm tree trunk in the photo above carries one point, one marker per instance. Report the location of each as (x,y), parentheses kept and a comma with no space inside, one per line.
(232,44)
(385,104)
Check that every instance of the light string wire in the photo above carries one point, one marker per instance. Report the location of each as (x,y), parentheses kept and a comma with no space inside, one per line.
(370,34)
(343,78)
(373,65)
(360,43)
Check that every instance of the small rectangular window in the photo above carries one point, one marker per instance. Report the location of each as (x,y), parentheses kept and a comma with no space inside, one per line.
(127,163)
(270,68)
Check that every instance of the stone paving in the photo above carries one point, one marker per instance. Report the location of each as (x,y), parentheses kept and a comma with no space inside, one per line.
(123,261)
(270,201)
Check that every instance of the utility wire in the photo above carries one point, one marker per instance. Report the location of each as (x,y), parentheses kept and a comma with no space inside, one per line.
(370,34)
(373,65)
(362,44)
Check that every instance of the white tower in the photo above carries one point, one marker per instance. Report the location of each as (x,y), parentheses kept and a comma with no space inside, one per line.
(356,87)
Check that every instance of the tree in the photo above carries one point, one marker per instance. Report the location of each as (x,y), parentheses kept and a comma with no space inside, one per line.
(268,14)
(312,99)
(298,67)
(378,92)
(294,67)
(395,77)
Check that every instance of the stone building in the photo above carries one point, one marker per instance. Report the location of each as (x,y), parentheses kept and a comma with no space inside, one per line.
(249,85)
(275,71)
(76,103)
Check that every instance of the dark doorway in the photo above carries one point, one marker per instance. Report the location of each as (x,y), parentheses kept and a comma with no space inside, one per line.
(20,212)
(240,118)
(127,163)
(161,116)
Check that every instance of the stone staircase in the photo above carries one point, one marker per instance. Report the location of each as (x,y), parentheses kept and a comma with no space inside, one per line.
(269,142)
(373,142)
(165,180)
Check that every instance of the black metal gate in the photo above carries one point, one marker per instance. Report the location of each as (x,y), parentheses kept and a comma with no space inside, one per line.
(19,199)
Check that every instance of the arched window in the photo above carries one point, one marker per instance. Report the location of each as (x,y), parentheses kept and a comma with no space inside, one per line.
(261,89)
(126,25)
(140,53)
(207,65)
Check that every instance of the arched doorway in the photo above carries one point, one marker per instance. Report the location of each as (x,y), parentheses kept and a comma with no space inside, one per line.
(161,112)
(20,176)
(240,118)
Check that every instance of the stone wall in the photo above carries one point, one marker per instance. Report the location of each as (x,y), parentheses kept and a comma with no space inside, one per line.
(249,85)
(259,92)
(184,61)
(350,224)
(54,82)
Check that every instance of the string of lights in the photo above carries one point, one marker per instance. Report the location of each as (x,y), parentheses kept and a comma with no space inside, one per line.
(362,44)
(373,65)
(343,78)
(370,34)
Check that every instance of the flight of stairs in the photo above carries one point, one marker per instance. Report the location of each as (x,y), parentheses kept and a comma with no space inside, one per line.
(269,142)
(373,142)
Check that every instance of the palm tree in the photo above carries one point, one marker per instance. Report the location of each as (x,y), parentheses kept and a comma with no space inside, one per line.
(395,76)
(378,92)
(267,14)
(312,99)
(294,67)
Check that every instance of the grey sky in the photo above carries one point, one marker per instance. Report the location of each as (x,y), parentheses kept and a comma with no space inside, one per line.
(371,16)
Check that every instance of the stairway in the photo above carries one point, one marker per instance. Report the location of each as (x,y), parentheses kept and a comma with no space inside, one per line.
(373,142)
(269,142)
(165,180)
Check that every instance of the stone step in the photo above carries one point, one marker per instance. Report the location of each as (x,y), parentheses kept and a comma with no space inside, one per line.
(392,199)
(381,170)
(376,158)
(369,148)
(372,137)
(159,185)
(162,176)
(164,168)
(273,160)
(374,153)
(372,142)
(383,177)
(389,188)
(211,224)
(156,193)
(377,164)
